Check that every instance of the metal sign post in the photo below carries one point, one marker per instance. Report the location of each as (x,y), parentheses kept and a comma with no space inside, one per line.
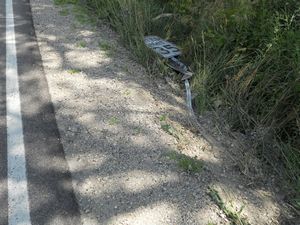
(171,52)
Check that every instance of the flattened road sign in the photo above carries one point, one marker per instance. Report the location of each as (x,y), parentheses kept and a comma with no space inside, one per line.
(164,48)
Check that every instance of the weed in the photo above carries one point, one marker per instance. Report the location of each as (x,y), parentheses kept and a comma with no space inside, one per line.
(125,68)
(235,217)
(73,71)
(137,130)
(163,118)
(64,12)
(79,11)
(190,164)
(186,163)
(297,204)
(127,92)
(107,47)
(211,223)
(169,129)
(130,18)
(64,2)
(81,44)
(80,14)
(113,121)
(74,26)
(296,197)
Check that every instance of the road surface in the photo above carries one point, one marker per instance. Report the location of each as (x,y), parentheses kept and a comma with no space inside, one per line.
(35,182)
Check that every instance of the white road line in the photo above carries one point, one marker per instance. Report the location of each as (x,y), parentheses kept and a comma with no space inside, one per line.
(18,204)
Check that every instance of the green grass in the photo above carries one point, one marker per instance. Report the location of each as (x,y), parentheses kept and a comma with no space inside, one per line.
(297,204)
(80,11)
(137,130)
(163,118)
(81,44)
(295,201)
(113,121)
(64,12)
(74,71)
(235,217)
(130,18)
(127,92)
(81,15)
(211,223)
(169,129)
(65,2)
(107,47)
(125,68)
(166,126)
(186,163)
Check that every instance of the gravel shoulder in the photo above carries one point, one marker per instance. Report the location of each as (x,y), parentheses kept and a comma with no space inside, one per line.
(110,115)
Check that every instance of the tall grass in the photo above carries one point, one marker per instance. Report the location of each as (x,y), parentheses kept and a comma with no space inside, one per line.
(245,54)
(132,19)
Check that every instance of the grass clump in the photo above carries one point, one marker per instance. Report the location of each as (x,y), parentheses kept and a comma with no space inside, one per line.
(81,44)
(165,125)
(234,216)
(65,2)
(131,19)
(168,129)
(113,121)
(186,163)
(74,71)
(163,118)
(79,10)
(64,12)
(127,92)
(211,223)
(82,15)
(137,130)
(107,47)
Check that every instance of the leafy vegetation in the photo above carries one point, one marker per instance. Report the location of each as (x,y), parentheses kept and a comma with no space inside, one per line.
(106,47)
(186,163)
(234,217)
(81,44)
(246,58)
(113,121)
(64,12)
(165,125)
(73,71)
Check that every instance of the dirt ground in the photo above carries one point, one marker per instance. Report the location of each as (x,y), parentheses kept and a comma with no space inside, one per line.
(121,129)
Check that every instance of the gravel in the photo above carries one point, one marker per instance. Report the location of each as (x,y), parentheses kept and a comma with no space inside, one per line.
(108,112)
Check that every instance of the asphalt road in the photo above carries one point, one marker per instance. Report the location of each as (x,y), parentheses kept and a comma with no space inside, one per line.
(47,177)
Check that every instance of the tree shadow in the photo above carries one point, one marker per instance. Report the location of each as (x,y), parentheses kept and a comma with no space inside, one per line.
(115,149)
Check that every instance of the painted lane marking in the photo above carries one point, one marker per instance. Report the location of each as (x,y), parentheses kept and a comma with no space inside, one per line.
(18,203)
